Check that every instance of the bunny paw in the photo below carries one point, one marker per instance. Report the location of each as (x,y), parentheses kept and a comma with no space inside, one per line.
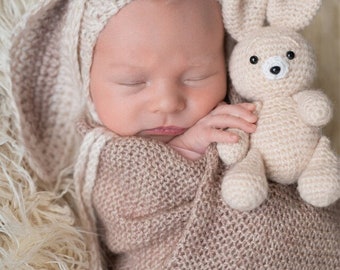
(231,153)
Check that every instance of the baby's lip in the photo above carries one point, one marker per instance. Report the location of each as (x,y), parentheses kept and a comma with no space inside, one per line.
(163,131)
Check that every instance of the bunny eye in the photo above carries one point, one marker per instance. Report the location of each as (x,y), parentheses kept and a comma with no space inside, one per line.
(254,60)
(290,55)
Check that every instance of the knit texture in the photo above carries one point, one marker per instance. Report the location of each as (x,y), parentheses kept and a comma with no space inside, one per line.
(158,210)
(144,208)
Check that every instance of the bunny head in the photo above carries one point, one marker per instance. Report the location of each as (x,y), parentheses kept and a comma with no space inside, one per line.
(271,63)
(271,60)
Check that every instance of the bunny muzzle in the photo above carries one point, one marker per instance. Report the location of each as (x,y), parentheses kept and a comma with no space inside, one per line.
(275,68)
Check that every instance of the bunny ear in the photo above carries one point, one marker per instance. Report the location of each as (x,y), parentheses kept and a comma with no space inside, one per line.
(243,16)
(295,14)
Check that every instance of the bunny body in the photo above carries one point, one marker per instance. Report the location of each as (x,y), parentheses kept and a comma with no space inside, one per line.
(286,156)
(274,67)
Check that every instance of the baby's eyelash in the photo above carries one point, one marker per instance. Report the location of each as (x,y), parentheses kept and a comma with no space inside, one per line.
(199,78)
(132,83)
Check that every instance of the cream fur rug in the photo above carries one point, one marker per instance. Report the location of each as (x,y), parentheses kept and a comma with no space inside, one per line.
(37,225)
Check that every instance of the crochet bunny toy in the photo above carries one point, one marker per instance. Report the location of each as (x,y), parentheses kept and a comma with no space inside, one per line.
(274,66)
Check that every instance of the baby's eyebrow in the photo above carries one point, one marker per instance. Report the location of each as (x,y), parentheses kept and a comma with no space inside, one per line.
(203,60)
(125,66)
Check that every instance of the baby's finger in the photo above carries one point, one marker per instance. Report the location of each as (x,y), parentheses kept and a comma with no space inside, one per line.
(243,110)
(248,106)
(222,121)
(224,136)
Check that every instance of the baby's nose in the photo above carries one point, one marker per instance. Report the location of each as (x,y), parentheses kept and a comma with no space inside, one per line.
(170,104)
(167,98)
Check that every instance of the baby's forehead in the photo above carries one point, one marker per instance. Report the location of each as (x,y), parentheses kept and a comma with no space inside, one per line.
(151,24)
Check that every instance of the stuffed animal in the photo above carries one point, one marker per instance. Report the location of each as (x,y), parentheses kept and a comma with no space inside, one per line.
(273,66)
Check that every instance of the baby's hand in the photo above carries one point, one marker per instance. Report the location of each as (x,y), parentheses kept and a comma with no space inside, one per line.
(214,128)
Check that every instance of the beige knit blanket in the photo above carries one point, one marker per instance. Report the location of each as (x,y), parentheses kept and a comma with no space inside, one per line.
(161,211)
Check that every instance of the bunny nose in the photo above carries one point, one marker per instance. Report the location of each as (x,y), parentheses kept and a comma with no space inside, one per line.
(275,70)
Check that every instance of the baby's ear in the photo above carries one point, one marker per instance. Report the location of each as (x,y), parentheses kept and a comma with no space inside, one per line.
(243,16)
(295,14)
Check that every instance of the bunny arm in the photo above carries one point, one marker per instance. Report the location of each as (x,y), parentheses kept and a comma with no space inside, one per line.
(314,107)
(231,153)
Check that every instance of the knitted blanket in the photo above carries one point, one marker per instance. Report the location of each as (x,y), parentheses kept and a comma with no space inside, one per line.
(160,211)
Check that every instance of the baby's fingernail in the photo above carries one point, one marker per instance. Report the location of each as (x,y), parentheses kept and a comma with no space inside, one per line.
(252,118)
(234,137)
(251,106)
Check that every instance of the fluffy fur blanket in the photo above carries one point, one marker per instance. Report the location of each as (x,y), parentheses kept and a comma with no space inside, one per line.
(38,228)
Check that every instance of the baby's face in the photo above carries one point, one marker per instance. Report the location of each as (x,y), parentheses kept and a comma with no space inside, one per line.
(158,67)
